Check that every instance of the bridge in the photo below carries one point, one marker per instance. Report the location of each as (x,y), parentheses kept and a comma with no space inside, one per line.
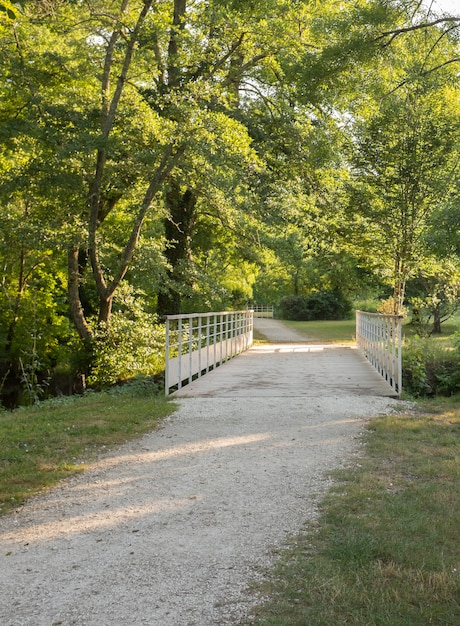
(290,365)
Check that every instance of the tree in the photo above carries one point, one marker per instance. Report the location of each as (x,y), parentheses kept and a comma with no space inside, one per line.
(405,161)
(301,131)
(435,290)
(175,150)
(221,57)
(116,109)
(434,294)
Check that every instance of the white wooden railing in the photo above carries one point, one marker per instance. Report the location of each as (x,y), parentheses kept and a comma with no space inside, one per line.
(199,342)
(262,310)
(380,338)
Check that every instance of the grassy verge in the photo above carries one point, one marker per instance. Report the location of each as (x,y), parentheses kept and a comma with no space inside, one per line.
(42,444)
(448,329)
(385,549)
(342,331)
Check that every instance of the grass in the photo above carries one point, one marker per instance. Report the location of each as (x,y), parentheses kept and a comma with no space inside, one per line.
(45,443)
(342,331)
(385,549)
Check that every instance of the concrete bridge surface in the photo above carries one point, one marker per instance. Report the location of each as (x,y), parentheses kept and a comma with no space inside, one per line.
(290,366)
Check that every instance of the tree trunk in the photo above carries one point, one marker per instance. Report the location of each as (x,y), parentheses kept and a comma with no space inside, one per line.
(76,310)
(399,287)
(436,330)
(105,310)
(178,231)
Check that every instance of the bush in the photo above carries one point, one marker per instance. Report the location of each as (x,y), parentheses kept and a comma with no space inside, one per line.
(319,305)
(132,347)
(430,370)
(370,305)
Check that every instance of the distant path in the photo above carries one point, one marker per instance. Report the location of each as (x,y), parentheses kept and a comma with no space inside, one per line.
(274,330)
(170,530)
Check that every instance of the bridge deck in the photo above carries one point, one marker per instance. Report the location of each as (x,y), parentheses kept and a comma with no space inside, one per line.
(290,368)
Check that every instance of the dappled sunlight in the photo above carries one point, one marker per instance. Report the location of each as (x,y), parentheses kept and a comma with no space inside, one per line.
(302,349)
(295,348)
(98,503)
(331,423)
(101,499)
(291,369)
(106,484)
(92,521)
(194,448)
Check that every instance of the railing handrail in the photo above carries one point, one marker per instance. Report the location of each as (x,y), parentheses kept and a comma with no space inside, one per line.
(204,341)
(261,307)
(381,315)
(196,315)
(262,310)
(379,335)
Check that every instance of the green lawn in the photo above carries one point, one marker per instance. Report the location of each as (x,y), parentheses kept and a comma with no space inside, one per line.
(344,331)
(385,550)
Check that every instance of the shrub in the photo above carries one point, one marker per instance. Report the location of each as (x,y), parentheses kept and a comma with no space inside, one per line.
(319,305)
(370,305)
(132,347)
(430,370)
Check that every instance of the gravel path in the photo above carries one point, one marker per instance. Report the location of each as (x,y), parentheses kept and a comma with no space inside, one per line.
(171,529)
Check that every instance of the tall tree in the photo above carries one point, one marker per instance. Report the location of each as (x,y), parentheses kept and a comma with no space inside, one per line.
(218,56)
(404,138)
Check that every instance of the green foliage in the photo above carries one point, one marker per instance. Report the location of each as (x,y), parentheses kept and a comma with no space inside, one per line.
(430,369)
(405,155)
(321,305)
(35,333)
(369,305)
(133,346)
(434,294)
(253,111)
(7,11)
(443,236)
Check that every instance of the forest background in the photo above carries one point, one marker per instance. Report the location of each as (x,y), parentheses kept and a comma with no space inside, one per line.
(165,156)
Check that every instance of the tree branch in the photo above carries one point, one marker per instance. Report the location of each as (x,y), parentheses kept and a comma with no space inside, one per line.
(108,114)
(407,29)
(168,162)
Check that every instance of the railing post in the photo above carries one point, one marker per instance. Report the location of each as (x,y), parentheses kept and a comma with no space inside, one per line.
(167,357)
(208,337)
(215,341)
(179,345)
(199,345)
(399,333)
(190,349)
(222,336)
